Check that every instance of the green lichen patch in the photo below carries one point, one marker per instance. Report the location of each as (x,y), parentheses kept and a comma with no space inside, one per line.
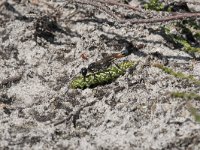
(102,77)
(178,74)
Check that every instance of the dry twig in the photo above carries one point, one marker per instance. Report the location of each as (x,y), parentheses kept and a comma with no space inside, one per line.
(103,8)
(168,18)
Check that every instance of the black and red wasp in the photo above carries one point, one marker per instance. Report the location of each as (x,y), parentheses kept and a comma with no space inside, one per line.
(101,64)
(107,61)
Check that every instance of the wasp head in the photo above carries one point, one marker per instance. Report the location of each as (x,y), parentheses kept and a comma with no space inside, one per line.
(84,72)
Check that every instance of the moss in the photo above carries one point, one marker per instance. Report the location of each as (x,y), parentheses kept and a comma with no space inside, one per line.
(103,77)
(197,35)
(189,96)
(179,39)
(178,74)
(185,95)
(189,30)
(187,47)
(194,113)
(191,23)
(154,5)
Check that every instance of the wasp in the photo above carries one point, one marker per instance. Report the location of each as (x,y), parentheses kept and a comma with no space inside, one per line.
(107,61)
(103,63)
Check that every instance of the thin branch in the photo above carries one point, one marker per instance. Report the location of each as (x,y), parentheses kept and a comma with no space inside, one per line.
(168,18)
(95,4)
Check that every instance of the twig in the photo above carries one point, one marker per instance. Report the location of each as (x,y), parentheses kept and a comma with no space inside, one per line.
(156,20)
(132,21)
(75,114)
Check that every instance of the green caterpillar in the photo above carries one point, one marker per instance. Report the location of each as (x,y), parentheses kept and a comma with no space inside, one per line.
(102,77)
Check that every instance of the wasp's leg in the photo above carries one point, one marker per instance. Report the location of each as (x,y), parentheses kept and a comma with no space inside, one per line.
(119,67)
